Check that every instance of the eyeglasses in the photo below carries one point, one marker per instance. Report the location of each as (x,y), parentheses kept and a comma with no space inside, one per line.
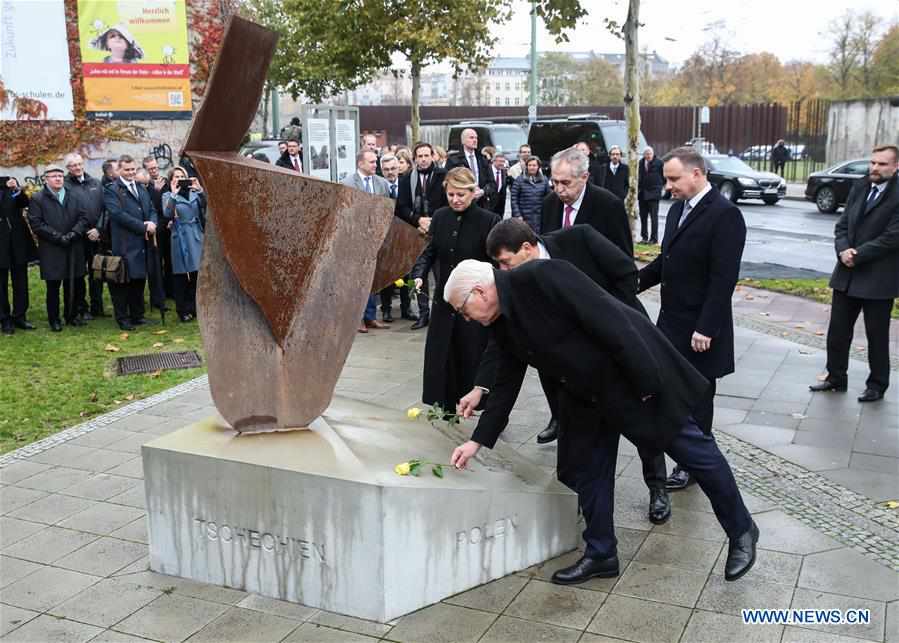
(461,309)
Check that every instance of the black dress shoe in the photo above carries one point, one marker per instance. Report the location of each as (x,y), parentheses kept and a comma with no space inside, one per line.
(409,316)
(22,324)
(870,395)
(420,323)
(87,317)
(585,569)
(8,328)
(76,321)
(741,554)
(126,326)
(550,433)
(387,317)
(827,385)
(659,506)
(679,479)
(142,321)
(55,326)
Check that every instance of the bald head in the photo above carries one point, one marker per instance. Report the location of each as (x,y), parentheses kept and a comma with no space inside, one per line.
(469,140)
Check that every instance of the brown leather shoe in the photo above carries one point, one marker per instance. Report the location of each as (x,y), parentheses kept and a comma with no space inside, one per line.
(362,328)
(374,323)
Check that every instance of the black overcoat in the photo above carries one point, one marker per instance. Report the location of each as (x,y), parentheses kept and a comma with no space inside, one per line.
(873,230)
(485,174)
(698,268)
(16,245)
(600,209)
(454,346)
(410,208)
(50,220)
(90,191)
(605,355)
(650,183)
(127,216)
(617,183)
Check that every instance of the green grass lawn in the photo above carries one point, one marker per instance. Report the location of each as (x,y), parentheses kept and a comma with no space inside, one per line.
(794,171)
(50,381)
(816,289)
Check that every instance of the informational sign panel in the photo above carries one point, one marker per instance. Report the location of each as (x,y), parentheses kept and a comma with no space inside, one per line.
(346,147)
(135,58)
(35,79)
(317,144)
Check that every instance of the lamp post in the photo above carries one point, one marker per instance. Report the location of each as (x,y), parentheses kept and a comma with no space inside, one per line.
(532,99)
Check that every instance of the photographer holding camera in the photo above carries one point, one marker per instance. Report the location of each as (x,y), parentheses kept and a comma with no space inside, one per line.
(184,212)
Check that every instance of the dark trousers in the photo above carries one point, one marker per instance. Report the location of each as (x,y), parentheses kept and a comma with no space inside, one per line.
(704,413)
(387,300)
(128,300)
(18,273)
(185,287)
(94,286)
(693,450)
(164,239)
(649,211)
(843,315)
(655,470)
(70,298)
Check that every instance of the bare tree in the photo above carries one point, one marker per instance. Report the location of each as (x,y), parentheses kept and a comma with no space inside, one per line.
(844,53)
(865,41)
(632,99)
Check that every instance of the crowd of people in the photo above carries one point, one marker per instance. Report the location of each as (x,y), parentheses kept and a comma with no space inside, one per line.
(129,227)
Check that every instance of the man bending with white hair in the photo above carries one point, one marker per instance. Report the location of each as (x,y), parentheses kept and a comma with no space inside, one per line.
(619,376)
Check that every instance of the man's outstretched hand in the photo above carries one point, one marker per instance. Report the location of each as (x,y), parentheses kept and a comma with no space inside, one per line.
(462,454)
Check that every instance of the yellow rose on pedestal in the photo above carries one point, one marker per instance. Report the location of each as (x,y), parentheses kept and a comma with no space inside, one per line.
(413,413)
(402,469)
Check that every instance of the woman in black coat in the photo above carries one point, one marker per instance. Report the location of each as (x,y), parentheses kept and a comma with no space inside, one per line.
(454,346)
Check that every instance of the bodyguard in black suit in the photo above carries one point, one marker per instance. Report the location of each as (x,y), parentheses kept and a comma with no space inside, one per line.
(619,376)
(16,250)
(650,182)
(501,178)
(511,243)
(132,223)
(471,158)
(698,268)
(866,277)
(575,201)
(615,175)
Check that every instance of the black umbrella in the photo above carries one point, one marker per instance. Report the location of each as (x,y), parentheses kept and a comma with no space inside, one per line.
(154,278)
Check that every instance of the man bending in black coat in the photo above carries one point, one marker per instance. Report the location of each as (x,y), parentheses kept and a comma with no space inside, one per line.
(512,243)
(618,376)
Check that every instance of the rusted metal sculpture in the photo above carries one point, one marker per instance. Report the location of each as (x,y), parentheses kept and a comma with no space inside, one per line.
(288,259)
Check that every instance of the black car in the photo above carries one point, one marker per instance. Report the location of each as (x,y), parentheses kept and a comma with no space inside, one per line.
(550,135)
(829,189)
(267,148)
(505,137)
(736,180)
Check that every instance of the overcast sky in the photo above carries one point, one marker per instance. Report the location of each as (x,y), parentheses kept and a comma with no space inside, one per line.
(791,29)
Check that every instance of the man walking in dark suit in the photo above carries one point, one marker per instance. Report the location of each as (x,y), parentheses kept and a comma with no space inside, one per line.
(471,158)
(615,175)
(619,375)
(512,243)
(500,177)
(575,201)
(649,193)
(866,277)
(698,269)
(16,249)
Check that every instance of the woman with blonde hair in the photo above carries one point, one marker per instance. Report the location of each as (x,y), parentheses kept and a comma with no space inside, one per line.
(439,156)
(454,346)
(404,156)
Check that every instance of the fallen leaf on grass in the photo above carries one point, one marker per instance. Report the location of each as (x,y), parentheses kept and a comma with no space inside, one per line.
(94,396)
(112,348)
(891,504)
(129,397)
(124,336)
(178,340)
(158,345)
(160,332)
(155,374)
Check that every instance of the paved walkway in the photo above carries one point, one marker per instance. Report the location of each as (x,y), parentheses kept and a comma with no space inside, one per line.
(815,470)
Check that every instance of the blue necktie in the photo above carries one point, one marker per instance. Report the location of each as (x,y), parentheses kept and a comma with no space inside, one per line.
(368,184)
(393,190)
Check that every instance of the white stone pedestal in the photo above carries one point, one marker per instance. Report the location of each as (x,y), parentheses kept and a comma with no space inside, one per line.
(319,517)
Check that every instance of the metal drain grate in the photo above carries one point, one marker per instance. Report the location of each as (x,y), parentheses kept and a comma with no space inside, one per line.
(157,362)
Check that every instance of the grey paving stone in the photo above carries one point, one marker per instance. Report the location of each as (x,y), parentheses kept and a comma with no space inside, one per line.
(845,571)
(239,625)
(284,609)
(813,599)
(770,567)
(49,544)
(131,443)
(139,566)
(731,402)
(877,486)
(20,470)
(52,509)
(793,634)
(45,588)
(184,587)
(726,416)
(726,597)
(782,407)
(13,617)
(659,583)
(46,628)
(587,637)
(812,458)
(692,524)
(705,627)
(134,497)
(106,603)
(102,518)
(781,532)
(635,619)
(13,530)
(545,570)
(494,596)
(173,409)
(103,486)
(840,426)
(692,499)
(677,551)
(111,636)
(11,498)
(312,633)
(55,479)
(103,556)
(878,463)
(507,628)
(101,437)
(136,531)
(442,623)
(63,455)
(877,442)
(829,440)
(766,418)
(131,469)
(101,460)
(171,618)
(12,569)
(560,605)
(892,622)
(349,624)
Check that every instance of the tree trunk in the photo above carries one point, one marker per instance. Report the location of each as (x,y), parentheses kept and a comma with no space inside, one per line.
(632,101)
(416,96)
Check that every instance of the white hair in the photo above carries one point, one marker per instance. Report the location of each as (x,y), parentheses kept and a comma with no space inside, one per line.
(72,157)
(465,277)
(577,161)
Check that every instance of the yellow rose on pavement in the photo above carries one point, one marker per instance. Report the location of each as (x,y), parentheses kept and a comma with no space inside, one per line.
(399,283)
(402,469)
(413,413)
